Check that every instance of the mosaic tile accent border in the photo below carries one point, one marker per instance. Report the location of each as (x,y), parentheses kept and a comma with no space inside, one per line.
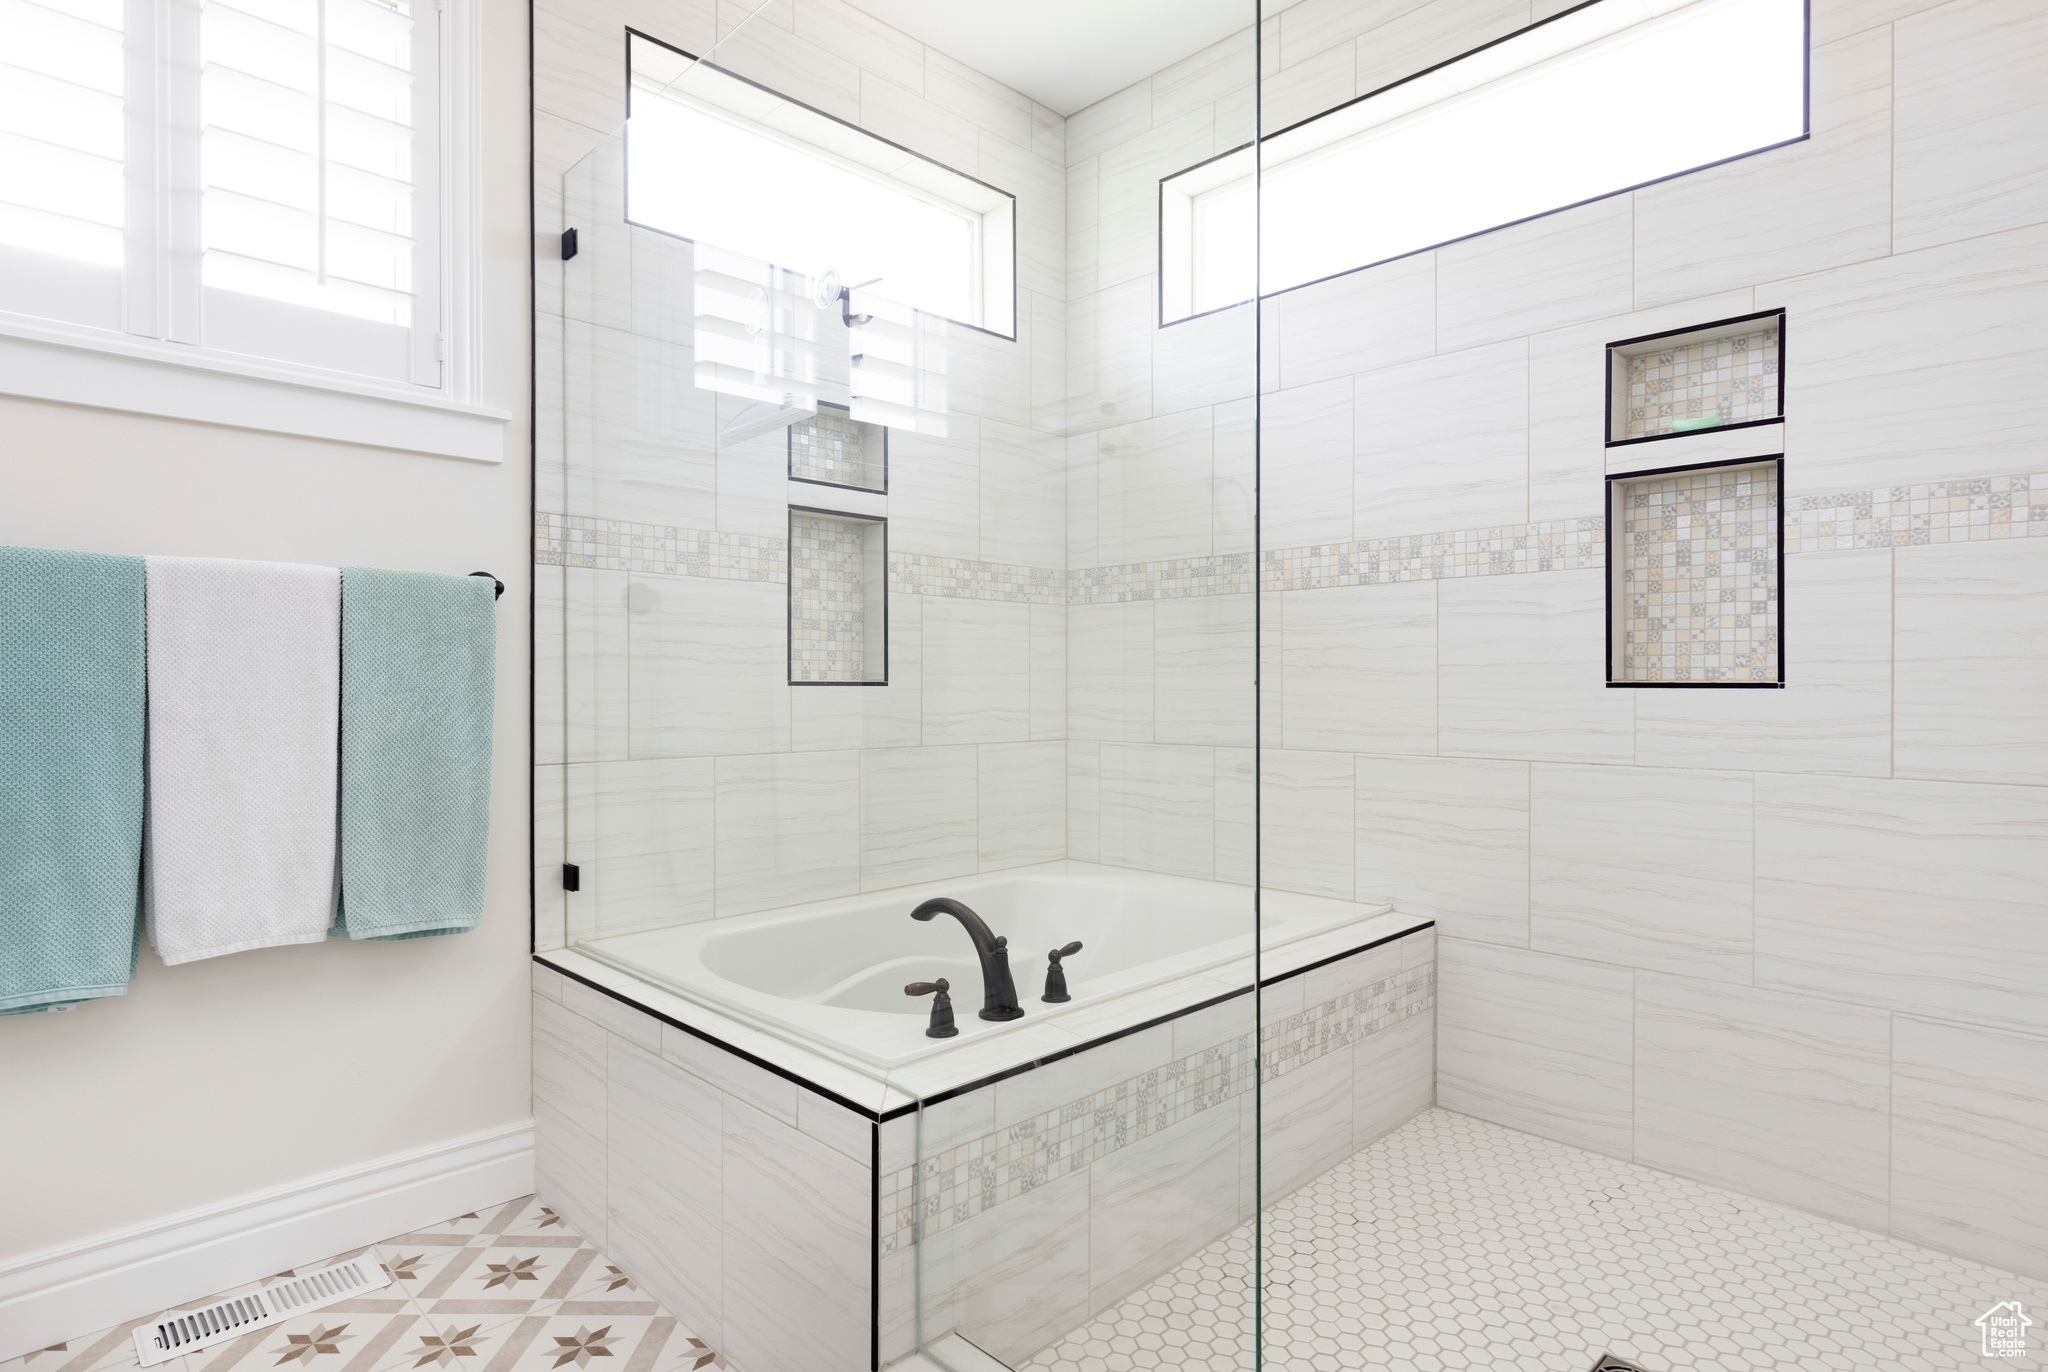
(1177,578)
(1909,516)
(616,545)
(1503,550)
(982,1173)
(965,579)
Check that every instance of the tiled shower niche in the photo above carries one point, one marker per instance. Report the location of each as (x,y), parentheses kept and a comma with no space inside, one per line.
(1721,375)
(1696,561)
(838,599)
(835,449)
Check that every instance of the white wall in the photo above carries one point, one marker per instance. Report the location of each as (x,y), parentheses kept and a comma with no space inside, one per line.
(241,1073)
(1791,942)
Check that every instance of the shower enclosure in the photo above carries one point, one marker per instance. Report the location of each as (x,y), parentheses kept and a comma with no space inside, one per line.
(1045,615)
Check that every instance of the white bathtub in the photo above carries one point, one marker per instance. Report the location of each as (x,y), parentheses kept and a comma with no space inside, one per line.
(832,973)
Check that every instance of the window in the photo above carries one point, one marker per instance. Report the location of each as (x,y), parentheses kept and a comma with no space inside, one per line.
(1597,101)
(721,161)
(253,179)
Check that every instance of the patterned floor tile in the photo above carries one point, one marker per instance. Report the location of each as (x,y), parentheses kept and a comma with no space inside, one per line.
(1454,1244)
(507,1289)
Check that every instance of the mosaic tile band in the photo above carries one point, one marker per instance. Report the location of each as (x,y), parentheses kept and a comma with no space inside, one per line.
(1960,511)
(828,601)
(952,1187)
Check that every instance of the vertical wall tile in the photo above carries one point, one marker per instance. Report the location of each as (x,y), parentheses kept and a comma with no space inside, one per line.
(1305,826)
(646,858)
(788,827)
(1305,1123)
(1202,670)
(569,1067)
(1083,502)
(1919,896)
(1202,361)
(1970,155)
(977,671)
(1876,339)
(1393,1078)
(709,665)
(1443,443)
(663,1185)
(1048,671)
(595,665)
(917,815)
(798,1247)
(1556,270)
(1521,670)
(1109,671)
(1155,485)
(1234,509)
(1236,829)
(1650,869)
(1158,808)
(1360,671)
(1536,1042)
(1023,500)
(1969,1130)
(1305,465)
(1155,1202)
(1968,695)
(1447,838)
(1084,800)
(1778,1096)
(1023,804)
(891,716)
(935,502)
(1356,322)
(1802,208)
(1109,355)
(1018,1278)
(1835,714)
(1418,37)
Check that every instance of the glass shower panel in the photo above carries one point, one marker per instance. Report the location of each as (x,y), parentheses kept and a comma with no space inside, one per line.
(906,558)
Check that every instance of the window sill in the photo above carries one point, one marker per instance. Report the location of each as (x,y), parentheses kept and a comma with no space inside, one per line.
(47,360)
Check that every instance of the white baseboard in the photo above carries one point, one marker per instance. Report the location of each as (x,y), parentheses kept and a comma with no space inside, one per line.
(62,1293)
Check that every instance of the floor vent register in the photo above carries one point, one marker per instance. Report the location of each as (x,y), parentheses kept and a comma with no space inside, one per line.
(185,1331)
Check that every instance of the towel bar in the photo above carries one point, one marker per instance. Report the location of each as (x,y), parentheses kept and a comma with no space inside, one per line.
(500,591)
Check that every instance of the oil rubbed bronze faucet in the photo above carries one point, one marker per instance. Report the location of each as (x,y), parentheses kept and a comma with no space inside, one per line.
(998,992)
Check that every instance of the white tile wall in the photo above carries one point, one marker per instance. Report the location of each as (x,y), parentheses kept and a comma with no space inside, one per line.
(1539,275)
(1644,867)
(1520,670)
(1360,668)
(788,829)
(1443,443)
(1447,838)
(918,814)
(1971,662)
(1536,1041)
(1305,822)
(1777,1096)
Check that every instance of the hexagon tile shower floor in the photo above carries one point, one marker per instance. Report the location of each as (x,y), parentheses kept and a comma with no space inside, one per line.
(1452,1243)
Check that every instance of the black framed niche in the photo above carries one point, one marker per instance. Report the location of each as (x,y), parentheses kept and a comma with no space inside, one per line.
(1696,575)
(1727,374)
(832,448)
(838,598)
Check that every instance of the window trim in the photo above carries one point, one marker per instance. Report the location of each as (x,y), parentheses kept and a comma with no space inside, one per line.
(981,267)
(108,369)
(1160,255)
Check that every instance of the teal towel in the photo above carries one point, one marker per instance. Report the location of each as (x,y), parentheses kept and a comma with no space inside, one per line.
(71,689)
(418,669)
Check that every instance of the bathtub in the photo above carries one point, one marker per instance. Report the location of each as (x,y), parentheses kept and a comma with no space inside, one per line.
(831,974)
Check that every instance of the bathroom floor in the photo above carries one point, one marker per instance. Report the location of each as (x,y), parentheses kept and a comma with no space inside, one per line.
(508,1289)
(1452,1243)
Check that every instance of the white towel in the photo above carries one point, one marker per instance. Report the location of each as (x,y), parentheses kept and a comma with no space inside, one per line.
(244,719)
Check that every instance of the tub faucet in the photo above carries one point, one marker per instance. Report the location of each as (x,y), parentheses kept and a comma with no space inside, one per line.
(998,992)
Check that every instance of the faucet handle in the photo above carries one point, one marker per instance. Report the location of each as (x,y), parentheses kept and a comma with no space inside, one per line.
(942,1026)
(1056,975)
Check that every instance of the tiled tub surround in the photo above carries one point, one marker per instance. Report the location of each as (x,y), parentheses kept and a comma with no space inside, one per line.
(1696,594)
(769,1197)
(1730,373)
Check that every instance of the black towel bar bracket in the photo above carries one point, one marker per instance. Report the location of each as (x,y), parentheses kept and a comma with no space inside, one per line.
(500,591)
